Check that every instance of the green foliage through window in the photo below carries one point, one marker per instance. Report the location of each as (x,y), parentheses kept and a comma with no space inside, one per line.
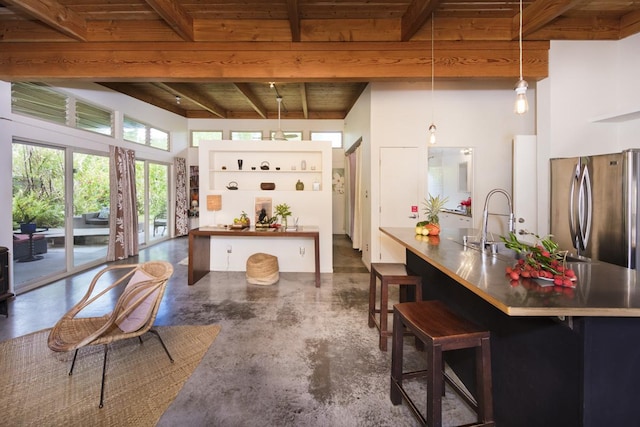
(38,185)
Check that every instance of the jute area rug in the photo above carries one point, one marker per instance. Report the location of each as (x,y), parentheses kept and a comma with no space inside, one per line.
(141,382)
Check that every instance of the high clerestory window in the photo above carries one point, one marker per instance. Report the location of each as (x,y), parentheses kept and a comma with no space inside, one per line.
(40,101)
(141,133)
(334,137)
(204,135)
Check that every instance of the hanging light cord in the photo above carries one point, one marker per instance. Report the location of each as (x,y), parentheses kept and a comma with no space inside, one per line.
(520,39)
(432,73)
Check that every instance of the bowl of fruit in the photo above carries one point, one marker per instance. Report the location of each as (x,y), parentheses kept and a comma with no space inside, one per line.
(543,261)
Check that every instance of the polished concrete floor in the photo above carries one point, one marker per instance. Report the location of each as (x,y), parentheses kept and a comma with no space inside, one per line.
(289,354)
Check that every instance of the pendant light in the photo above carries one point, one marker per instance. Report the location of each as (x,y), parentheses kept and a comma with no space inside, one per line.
(279,135)
(432,127)
(522,106)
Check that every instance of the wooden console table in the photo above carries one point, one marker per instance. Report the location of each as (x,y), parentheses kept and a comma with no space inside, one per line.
(200,247)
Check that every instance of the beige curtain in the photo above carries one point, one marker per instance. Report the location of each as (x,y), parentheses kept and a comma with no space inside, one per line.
(182,199)
(123,223)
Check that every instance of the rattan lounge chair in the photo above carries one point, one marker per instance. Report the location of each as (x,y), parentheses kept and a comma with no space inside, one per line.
(133,315)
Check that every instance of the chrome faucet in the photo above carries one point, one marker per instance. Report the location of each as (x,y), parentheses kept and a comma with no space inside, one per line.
(485,216)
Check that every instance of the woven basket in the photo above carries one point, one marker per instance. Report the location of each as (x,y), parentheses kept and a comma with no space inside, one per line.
(262,269)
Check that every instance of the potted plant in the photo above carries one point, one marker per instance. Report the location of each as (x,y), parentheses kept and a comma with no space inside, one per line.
(283,210)
(432,207)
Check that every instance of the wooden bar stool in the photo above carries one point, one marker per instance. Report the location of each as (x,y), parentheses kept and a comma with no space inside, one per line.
(389,274)
(440,330)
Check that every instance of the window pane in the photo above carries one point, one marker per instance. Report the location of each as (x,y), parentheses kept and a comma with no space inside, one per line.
(38,101)
(93,119)
(159,139)
(134,131)
(244,135)
(197,136)
(141,190)
(91,207)
(38,197)
(334,137)
(158,199)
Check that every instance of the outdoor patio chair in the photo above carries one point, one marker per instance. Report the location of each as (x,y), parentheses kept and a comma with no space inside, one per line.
(132,316)
(160,221)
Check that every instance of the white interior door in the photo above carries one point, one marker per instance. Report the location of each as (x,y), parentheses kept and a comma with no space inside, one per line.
(399,196)
(525,189)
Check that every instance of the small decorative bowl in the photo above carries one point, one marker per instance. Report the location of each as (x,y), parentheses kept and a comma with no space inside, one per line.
(267,186)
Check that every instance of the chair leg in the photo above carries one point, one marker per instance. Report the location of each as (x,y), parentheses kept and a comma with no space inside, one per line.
(73,362)
(384,313)
(396,360)
(154,332)
(104,368)
(372,299)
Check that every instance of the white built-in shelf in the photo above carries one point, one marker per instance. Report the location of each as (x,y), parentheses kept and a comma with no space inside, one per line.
(619,117)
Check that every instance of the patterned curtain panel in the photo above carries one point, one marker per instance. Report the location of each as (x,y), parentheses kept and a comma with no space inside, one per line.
(123,226)
(182,199)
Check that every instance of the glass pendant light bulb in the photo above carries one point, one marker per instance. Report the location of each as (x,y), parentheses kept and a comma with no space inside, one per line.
(432,134)
(522,105)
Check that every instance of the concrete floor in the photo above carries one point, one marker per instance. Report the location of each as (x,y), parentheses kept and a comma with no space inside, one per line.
(289,354)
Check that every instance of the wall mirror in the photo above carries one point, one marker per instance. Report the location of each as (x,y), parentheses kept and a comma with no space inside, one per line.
(450,174)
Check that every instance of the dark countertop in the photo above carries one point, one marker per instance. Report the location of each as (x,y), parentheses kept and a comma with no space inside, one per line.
(602,289)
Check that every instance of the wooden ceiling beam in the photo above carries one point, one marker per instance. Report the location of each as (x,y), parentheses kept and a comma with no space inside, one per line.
(143,96)
(294,19)
(630,24)
(252,99)
(417,14)
(303,100)
(175,16)
(186,91)
(264,62)
(539,14)
(54,14)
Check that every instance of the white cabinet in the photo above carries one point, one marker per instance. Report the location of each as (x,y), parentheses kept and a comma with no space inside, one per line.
(451,220)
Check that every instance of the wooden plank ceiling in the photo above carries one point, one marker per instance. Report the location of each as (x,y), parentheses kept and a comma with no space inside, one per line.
(217,58)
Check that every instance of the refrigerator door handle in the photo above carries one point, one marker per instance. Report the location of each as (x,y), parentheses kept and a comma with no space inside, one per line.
(573,227)
(585,208)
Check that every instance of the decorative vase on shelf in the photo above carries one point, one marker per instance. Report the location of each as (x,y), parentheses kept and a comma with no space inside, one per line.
(299,185)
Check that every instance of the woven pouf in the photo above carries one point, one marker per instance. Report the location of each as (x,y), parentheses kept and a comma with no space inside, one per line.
(262,269)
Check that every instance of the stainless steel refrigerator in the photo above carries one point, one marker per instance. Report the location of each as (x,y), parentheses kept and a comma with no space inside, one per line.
(594,206)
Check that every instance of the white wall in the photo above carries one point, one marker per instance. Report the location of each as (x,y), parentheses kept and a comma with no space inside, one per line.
(474,114)
(313,208)
(357,127)
(589,104)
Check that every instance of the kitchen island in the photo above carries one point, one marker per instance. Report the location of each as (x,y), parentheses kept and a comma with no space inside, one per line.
(560,356)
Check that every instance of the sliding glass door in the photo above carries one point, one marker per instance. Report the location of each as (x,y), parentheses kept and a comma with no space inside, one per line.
(152,189)
(90,208)
(48,183)
(38,207)
(61,210)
